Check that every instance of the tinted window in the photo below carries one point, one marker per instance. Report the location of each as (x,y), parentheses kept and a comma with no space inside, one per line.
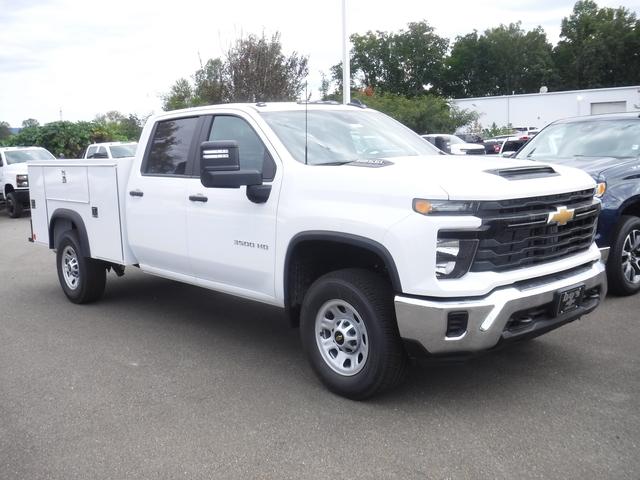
(91,152)
(253,154)
(169,150)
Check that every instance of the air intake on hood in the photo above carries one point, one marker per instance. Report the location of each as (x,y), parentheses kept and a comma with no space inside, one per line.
(524,173)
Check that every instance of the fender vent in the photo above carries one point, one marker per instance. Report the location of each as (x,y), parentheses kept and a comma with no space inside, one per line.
(524,173)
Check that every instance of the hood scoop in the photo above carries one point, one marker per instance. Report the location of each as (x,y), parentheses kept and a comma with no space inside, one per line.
(524,173)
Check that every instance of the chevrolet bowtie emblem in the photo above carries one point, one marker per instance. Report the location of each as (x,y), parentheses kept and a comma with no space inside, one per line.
(561,216)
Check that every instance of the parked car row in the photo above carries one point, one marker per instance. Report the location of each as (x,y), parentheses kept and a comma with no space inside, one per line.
(454,145)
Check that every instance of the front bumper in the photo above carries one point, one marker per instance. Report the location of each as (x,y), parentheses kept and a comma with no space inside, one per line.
(521,310)
(22,195)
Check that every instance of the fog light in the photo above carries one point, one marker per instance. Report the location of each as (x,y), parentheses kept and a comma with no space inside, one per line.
(454,257)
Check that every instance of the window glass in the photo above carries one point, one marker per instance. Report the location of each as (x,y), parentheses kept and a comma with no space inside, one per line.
(122,151)
(91,152)
(253,153)
(594,138)
(169,151)
(342,136)
(21,156)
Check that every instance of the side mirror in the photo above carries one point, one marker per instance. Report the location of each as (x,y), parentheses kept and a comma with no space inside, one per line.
(220,166)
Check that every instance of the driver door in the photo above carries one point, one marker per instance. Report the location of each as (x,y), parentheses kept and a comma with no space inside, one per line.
(231,239)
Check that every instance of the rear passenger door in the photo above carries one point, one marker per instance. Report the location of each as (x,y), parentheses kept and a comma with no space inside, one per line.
(157,198)
(231,239)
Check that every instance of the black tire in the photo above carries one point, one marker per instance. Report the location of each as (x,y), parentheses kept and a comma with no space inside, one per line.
(619,284)
(372,298)
(14,207)
(91,274)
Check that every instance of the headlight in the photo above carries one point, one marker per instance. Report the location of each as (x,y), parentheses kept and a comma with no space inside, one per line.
(444,207)
(454,257)
(600,189)
(22,181)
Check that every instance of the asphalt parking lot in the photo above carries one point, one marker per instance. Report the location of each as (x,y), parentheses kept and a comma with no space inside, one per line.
(163,380)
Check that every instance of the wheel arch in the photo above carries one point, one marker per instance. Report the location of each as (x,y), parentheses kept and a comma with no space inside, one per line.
(65,220)
(328,240)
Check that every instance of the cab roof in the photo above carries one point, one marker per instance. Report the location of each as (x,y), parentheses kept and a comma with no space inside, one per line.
(266,107)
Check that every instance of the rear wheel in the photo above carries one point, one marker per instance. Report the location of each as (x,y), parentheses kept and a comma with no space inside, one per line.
(350,334)
(623,266)
(14,207)
(82,279)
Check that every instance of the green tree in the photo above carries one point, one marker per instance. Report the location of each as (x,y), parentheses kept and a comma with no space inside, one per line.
(257,70)
(210,83)
(598,47)
(30,122)
(422,114)
(403,62)
(253,69)
(5,131)
(180,95)
(115,126)
(501,61)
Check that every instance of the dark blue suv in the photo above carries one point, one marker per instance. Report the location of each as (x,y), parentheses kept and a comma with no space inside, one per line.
(608,148)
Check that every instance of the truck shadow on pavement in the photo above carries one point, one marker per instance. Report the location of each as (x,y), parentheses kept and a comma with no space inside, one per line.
(259,337)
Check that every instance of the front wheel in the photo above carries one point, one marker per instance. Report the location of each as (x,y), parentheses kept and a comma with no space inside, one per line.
(350,334)
(82,279)
(14,206)
(623,266)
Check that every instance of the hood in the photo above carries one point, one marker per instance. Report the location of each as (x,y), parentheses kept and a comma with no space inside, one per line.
(15,169)
(594,166)
(468,177)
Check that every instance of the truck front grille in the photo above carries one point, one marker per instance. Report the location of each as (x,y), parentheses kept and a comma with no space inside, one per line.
(518,233)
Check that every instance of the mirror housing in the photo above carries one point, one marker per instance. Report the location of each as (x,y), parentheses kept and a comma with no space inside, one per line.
(220,166)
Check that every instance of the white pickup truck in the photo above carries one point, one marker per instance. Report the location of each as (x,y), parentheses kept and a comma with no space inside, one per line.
(343,217)
(14,180)
(111,150)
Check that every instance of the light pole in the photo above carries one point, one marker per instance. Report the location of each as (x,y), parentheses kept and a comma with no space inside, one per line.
(346,74)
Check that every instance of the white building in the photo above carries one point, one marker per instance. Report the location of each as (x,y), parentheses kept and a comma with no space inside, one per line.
(540,109)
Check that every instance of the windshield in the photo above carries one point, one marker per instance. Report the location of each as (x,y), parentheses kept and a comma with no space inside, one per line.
(596,138)
(121,151)
(21,156)
(342,136)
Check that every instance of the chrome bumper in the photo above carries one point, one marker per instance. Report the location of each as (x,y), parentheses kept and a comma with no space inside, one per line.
(425,321)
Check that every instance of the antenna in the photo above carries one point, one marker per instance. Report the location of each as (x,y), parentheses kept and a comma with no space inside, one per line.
(306,116)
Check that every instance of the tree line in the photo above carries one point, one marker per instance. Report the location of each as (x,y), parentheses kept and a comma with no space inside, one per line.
(408,74)
(598,47)
(70,139)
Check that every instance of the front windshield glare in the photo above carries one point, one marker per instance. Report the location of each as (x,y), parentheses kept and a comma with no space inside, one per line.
(122,151)
(595,138)
(342,136)
(21,156)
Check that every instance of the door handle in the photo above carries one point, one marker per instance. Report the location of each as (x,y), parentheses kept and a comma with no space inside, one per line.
(198,198)
(136,193)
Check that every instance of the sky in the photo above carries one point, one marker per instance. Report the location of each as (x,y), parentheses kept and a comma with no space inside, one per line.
(74,59)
